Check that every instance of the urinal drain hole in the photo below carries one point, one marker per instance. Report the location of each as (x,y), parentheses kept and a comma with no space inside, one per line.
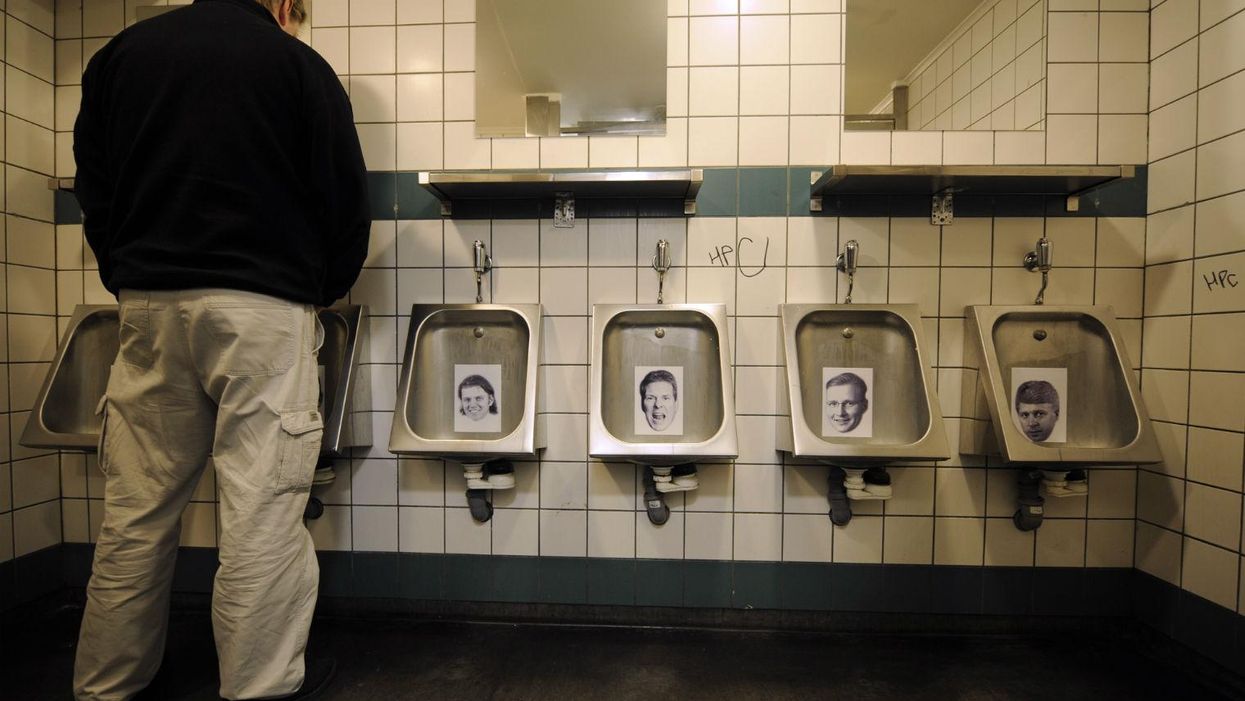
(848,332)
(478,332)
(1039,335)
(660,333)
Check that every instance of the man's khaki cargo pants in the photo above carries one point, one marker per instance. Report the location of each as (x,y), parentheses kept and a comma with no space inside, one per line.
(232,375)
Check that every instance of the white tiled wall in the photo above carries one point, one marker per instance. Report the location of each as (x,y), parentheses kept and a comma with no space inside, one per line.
(419,117)
(989,73)
(1190,530)
(30,507)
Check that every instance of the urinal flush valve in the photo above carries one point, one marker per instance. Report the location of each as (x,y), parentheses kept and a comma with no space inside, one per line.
(1039,260)
(661,263)
(846,263)
(483,263)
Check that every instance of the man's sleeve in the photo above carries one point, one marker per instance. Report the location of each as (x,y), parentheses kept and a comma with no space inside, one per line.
(342,187)
(93,182)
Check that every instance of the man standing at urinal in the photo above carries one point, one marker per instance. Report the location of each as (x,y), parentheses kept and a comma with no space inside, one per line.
(224,195)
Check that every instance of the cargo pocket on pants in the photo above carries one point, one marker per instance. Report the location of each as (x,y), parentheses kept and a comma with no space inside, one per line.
(301,432)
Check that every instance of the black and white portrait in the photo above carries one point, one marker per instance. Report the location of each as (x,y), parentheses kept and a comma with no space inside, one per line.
(657,401)
(845,410)
(477,398)
(1039,396)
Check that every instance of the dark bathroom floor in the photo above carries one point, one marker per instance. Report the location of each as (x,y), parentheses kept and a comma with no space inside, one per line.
(395,660)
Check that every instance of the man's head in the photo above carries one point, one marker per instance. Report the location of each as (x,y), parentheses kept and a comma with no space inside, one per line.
(290,14)
(659,395)
(476,398)
(1037,407)
(846,402)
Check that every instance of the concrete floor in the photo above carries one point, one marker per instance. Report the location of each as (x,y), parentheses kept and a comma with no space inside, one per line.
(395,660)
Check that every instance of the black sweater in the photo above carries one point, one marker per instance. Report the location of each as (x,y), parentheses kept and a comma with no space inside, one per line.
(214,150)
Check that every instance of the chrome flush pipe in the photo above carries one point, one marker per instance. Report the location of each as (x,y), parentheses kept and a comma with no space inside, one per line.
(1040,260)
(846,263)
(661,263)
(483,264)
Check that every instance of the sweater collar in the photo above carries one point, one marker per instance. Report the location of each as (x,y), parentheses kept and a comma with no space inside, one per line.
(249,6)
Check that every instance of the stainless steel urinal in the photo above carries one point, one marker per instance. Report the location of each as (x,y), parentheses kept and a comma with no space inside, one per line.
(64,414)
(686,339)
(346,387)
(1103,416)
(499,342)
(882,341)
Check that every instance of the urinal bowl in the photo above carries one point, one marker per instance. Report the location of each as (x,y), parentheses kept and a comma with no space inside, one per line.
(887,342)
(686,339)
(63,416)
(1104,418)
(346,385)
(445,339)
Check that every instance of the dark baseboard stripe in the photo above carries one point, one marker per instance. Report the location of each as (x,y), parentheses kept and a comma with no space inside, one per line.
(1214,632)
(688,584)
(31,577)
(801,596)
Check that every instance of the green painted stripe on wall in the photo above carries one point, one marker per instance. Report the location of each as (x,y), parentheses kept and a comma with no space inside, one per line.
(719,193)
(762,192)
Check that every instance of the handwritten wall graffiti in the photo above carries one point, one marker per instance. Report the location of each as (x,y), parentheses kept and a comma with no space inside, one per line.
(1223,279)
(748,256)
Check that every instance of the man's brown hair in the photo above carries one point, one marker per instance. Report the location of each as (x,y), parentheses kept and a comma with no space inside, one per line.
(298,9)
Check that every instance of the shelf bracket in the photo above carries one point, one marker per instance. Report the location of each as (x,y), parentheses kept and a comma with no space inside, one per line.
(942,209)
(1073,203)
(563,210)
(815,201)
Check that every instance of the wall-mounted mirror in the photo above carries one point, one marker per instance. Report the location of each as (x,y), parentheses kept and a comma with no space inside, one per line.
(570,67)
(951,65)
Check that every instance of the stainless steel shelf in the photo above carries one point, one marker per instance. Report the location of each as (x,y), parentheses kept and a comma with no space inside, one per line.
(449,186)
(1069,181)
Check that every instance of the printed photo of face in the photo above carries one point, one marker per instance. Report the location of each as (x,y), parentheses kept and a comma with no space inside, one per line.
(1037,408)
(846,402)
(476,398)
(659,397)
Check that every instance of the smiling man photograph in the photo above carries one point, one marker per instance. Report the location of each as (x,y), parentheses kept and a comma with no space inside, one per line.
(846,402)
(476,398)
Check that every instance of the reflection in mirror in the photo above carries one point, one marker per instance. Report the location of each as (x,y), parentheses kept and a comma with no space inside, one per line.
(570,67)
(948,65)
